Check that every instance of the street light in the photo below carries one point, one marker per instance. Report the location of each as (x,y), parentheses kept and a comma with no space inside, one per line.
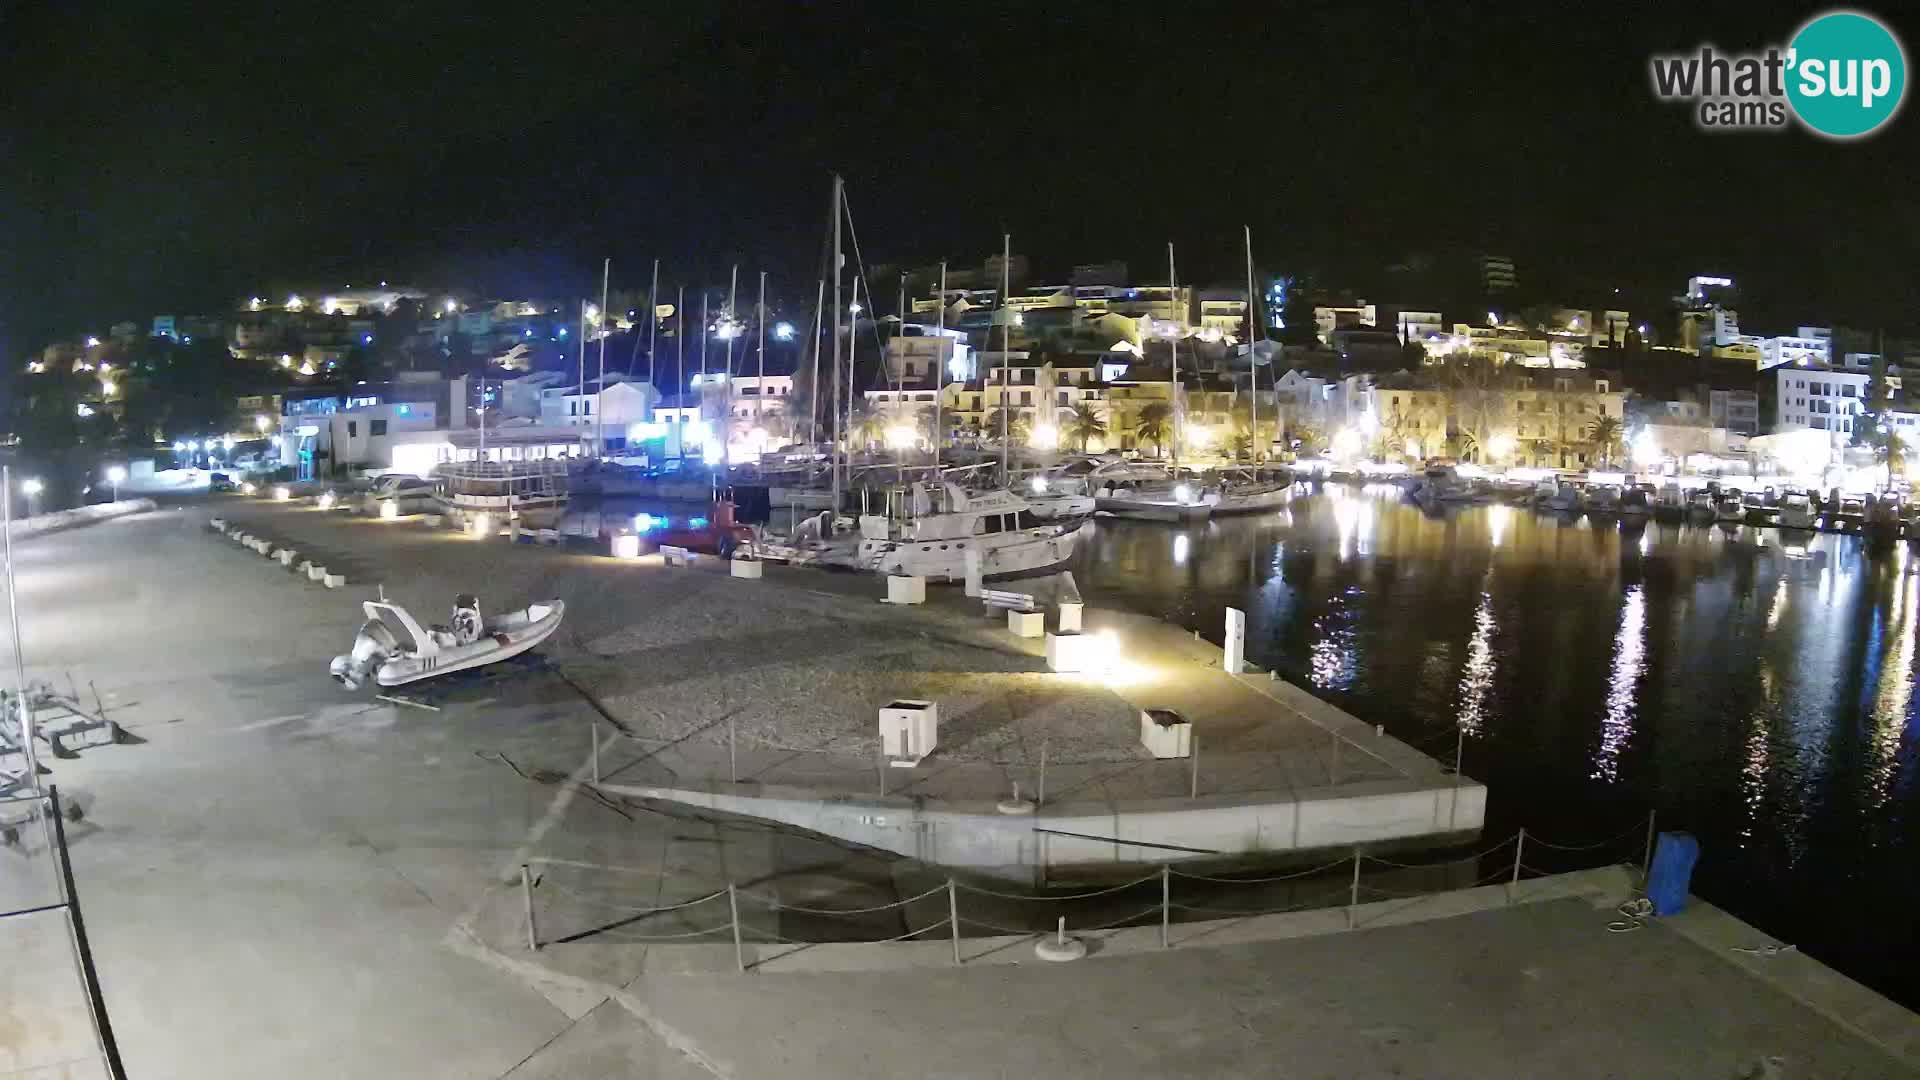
(261,423)
(783,331)
(115,474)
(31,488)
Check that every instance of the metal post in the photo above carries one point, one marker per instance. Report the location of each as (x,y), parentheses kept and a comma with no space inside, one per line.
(953,918)
(1459,749)
(733,766)
(1193,759)
(733,912)
(28,756)
(1518,846)
(596,749)
(1166,902)
(1646,865)
(1040,796)
(96,1001)
(880,766)
(526,895)
(1333,767)
(1353,890)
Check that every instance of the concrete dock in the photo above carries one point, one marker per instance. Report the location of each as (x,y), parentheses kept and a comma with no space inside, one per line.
(285,880)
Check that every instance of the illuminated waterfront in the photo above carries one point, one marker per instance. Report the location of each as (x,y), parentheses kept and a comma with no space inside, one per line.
(1754,687)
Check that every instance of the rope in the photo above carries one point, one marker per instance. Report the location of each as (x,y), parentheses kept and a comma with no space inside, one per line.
(618,936)
(1154,910)
(964,921)
(782,939)
(1764,950)
(1532,839)
(1071,896)
(1633,916)
(1237,914)
(557,887)
(1261,880)
(774,902)
(1445,862)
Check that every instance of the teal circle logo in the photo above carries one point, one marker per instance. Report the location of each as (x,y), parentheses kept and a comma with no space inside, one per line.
(1847,74)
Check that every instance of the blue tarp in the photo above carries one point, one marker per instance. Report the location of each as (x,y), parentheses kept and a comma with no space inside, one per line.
(1672,874)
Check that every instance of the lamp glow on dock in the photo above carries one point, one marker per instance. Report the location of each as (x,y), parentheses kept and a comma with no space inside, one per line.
(389,510)
(282,493)
(626,546)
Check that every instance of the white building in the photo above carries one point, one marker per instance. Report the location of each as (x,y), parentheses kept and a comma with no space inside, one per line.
(1328,318)
(1417,327)
(1818,398)
(592,409)
(1798,349)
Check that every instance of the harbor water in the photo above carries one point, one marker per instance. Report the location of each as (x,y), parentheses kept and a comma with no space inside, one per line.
(1752,687)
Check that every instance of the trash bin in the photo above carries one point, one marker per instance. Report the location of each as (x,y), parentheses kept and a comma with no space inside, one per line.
(1671,876)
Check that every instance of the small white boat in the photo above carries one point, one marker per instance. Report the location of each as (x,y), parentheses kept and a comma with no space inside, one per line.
(1148,492)
(394,649)
(1251,493)
(1796,510)
(1603,499)
(1441,484)
(1056,497)
(1565,497)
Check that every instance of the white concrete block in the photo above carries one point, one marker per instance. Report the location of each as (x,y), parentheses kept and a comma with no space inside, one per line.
(909,730)
(1165,733)
(976,572)
(433,521)
(1027,624)
(626,546)
(1070,616)
(906,589)
(285,555)
(1070,652)
(747,568)
(265,548)
(316,573)
(1234,660)
(334,581)
(217,523)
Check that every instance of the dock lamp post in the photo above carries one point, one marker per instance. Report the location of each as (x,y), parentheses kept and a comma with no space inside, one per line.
(116,474)
(31,488)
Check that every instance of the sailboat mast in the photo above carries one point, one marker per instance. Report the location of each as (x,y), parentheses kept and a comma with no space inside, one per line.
(1253,362)
(726,422)
(940,374)
(813,386)
(900,371)
(653,320)
(833,401)
(853,349)
(599,400)
(1006,337)
(1173,340)
(760,393)
(680,349)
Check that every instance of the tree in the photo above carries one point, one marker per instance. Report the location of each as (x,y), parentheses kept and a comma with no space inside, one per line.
(1465,444)
(1154,425)
(1480,391)
(869,427)
(1016,425)
(1604,431)
(1083,425)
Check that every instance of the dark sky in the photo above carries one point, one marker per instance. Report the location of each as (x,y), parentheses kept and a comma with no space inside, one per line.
(170,156)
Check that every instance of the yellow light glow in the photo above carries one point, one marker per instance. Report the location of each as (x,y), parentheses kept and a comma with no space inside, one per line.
(1044,437)
(389,510)
(261,423)
(626,546)
(326,500)
(286,361)
(282,493)
(295,303)
(1347,442)
(481,526)
(1500,446)
(107,387)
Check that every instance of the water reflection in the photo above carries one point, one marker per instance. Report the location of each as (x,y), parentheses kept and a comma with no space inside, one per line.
(1757,687)
(1629,664)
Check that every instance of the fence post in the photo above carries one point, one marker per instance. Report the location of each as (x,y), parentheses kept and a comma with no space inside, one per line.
(1353,890)
(1193,754)
(1040,797)
(953,918)
(1519,845)
(733,768)
(1166,900)
(880,766)
(596,749)
(1459,750)
(526,894)
(1646,865)
(733,912)
(1333,769)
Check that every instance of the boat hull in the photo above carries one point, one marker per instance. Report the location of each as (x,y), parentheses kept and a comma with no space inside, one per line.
(1153,509)
(494,647)
(947,560)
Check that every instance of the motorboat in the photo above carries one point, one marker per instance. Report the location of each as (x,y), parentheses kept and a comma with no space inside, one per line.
(1603,499)
(1852,510)
(1757,511)
(1883,516)
(946,525)
(1636,502)
(395,650)
(1670,501)
(1441,484)
(1796,510)
(409,494)
(1729,507)
(1701,504)
(1566,498)
(532,492)
(1150,493)
(1057,497)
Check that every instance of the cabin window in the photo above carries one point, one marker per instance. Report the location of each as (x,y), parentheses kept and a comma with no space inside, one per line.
(376,427)
(353,429)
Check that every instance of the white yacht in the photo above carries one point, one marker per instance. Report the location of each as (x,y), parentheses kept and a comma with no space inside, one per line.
(1700,504)
(1249,491)
(1056,496)
(947,522)
(1796,510)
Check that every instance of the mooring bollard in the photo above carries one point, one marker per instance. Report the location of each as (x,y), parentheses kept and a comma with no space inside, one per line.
(526,893)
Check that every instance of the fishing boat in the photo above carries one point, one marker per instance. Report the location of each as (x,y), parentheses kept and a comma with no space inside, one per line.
(1565,498)
(945,524)
(1440,484)
(1758,510)
(533,492)
(1729,508)
(1149,493)
(1796,510)
(1636,502)
(395,650)
(1603,499)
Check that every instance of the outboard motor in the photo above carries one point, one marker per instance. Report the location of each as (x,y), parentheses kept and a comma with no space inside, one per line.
(466,619)
(371,648)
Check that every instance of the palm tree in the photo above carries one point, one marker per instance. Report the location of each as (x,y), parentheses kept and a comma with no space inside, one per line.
(1016,425)
(1465,443)
(1084,424)
(1154,425)
(869,427)
(1604,430)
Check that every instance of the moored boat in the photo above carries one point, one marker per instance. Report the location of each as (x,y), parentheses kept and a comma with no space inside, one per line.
(946,524)
(533,492)
(1796,510)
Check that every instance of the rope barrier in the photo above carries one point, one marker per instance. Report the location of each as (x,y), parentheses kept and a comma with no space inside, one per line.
(1071,896)
(1154,910)
(771,937)
(1444,862)
(777,905)
(1261,880)
(1635,830)
(1411,904)
(557,887)
(965,921)
(618,936)
(1338,900)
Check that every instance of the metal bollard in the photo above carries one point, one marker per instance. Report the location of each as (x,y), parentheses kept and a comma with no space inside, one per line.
(953,918)
(526,893)
(733,909)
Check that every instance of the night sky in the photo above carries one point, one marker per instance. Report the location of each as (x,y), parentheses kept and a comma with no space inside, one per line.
(173,157)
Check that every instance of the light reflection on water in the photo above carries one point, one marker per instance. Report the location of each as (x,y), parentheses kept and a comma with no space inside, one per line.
(1755,687)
